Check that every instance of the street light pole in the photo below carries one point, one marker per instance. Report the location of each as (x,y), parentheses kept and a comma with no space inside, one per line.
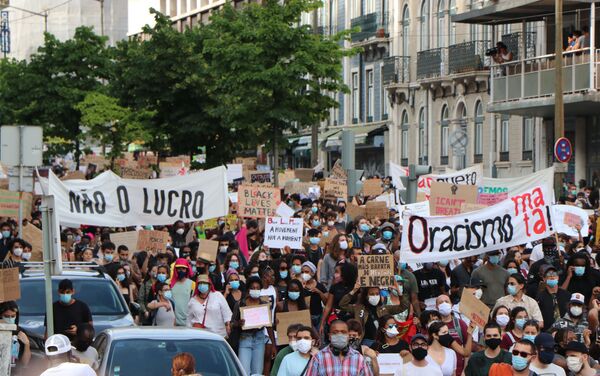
(559,116)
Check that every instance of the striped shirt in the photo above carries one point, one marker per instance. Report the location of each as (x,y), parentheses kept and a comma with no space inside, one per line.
(325,363)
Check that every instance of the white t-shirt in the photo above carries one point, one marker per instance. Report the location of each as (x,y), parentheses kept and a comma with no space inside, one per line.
(449,365)
(550,370)
(89,356)
(409,369)
(70,369)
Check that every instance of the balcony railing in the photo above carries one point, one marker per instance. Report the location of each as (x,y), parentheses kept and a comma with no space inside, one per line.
(467,56)
(514,43)
(396,70)
(370,25)
(432,63)
(534,77)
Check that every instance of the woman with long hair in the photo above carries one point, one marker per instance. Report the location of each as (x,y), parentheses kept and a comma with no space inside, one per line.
(514,329)
(388,339)
(345,276)
(439,351)
(336,253)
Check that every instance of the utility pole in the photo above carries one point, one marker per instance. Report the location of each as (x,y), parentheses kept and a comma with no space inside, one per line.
(314,144)
(101,17)
(559,115)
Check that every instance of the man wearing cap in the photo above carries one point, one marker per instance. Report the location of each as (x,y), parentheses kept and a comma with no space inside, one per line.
(58,352)
(388,236)
(578,359)
(182,288)
(419,365)
(494,278)
(542,363)
(69,312)
(575,319)
(552,300)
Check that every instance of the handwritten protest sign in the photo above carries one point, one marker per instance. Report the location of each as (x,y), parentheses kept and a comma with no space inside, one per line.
(338,172)
(354,211)
(9,284)
(372,187)
(256,317)
(260,177)
(284,211)
(377,209)
(389,363)
(169,169)
(258,202)
(152,241)
(298,187)
(281,232)
(336,188)
(127,238)
(376,270)
(474,309)
(304,174)
(33,236)
(287,175)
(285,319)
(446,198)
(135,173)
(207,249)
(74,175)
(9,203)
(566,218)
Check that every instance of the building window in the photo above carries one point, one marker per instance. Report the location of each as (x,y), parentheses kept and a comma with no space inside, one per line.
(422,138)
(370,95)
(478,136)
(452,25)
(404,141)
(528,138)
(445,127)
(385,102)
(405,31)
(355,8)
(504,139)
(355,98)
(369,6)
(424,26)
(441,29)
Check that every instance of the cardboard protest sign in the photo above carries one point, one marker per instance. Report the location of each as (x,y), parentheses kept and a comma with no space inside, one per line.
(298,187)
(474,309)
(207,249)
(9,284)
(304,174)
(169,169)
(74,175)
(33,236)
(521,219)
(286,176)
(377,209)
(135,173)
(152,241)
(127,238)
(376,270)
(338,172)
(260,177)
(467,207)
(256,316)
(354,211)
(372,187)
(258,202)
(284,211)
(285,319)
(446,198)
(336,188)
(108,200)
(566,217)
(282,232)
(9,203)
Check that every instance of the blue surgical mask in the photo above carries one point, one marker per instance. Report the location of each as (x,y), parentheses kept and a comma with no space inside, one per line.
(314,209)
(519,363)
(120,277)
(234,264)
(385,293)
(402,265)
(579,270)
(6,234)
(316,223)
(520,323)
(296,269)
(212,268)
(203,288)
(294,295)
(512,271)
(387,235)
(364,227)
(552,282)
(10,320)
(168,294)
(65,298)
(512,290)
(234,284)
(494,259)
(314,240)
(161,278)
(529,337)
(108,257)
(283,274)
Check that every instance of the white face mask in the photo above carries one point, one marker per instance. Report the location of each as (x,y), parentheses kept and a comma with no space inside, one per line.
(502,320)
(330,223)
(478,293)
(391,333)
(306,277)
(374,299)
(26,256)
(18,252)
(223,249)
(294,345)
(574,364)
(304,345)
(344,245)
(576,311)
(180,231)
(255,294)
(445,309)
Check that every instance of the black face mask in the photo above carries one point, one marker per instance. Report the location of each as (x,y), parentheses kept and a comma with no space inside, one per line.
(546,357)
(419,353)
(354,343)
(493,343)
(201,270)
(446,340)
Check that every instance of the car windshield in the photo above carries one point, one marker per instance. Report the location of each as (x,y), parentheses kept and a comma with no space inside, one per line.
(99,294)
(133,357)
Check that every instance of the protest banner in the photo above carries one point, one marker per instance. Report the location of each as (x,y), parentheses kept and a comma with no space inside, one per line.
(474,309)
(389,363)
(304,174)
(375,270)
(207,249)
(258,202)
(377,209)
(9,203)
(284,211)
(396,171)
(354,211)
(467,207)
(152,241)
(256,316)
(9,284)
(521,219)
(491,190)
(135,173)
(336,188)
(170,169)
(418,208)
(469,176)
(263,177)
(109,200)
(282,232)
(446,198)
(234,171)
(567,217)
(284,177)
(126,238)
(285,319)
(33,235)
(372,187)
(338,171)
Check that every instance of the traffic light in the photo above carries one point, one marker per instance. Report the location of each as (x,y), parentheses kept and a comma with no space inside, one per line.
(414,171)
(354,182)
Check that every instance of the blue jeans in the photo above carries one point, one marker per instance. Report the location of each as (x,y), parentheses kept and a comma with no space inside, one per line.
(252,352)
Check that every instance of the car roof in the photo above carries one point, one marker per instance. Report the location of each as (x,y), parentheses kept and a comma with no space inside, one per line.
(147,332)
(70,275)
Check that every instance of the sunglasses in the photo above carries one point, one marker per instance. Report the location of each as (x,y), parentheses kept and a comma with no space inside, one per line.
(422,345)
(522,354)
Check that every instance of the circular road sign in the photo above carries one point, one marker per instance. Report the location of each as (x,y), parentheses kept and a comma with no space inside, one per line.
(459,139)
(563,151)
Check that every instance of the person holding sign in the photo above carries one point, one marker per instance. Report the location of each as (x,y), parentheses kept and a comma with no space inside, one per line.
(208,309)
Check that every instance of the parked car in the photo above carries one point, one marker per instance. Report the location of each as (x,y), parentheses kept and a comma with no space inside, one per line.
(143,351)
(97,290)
